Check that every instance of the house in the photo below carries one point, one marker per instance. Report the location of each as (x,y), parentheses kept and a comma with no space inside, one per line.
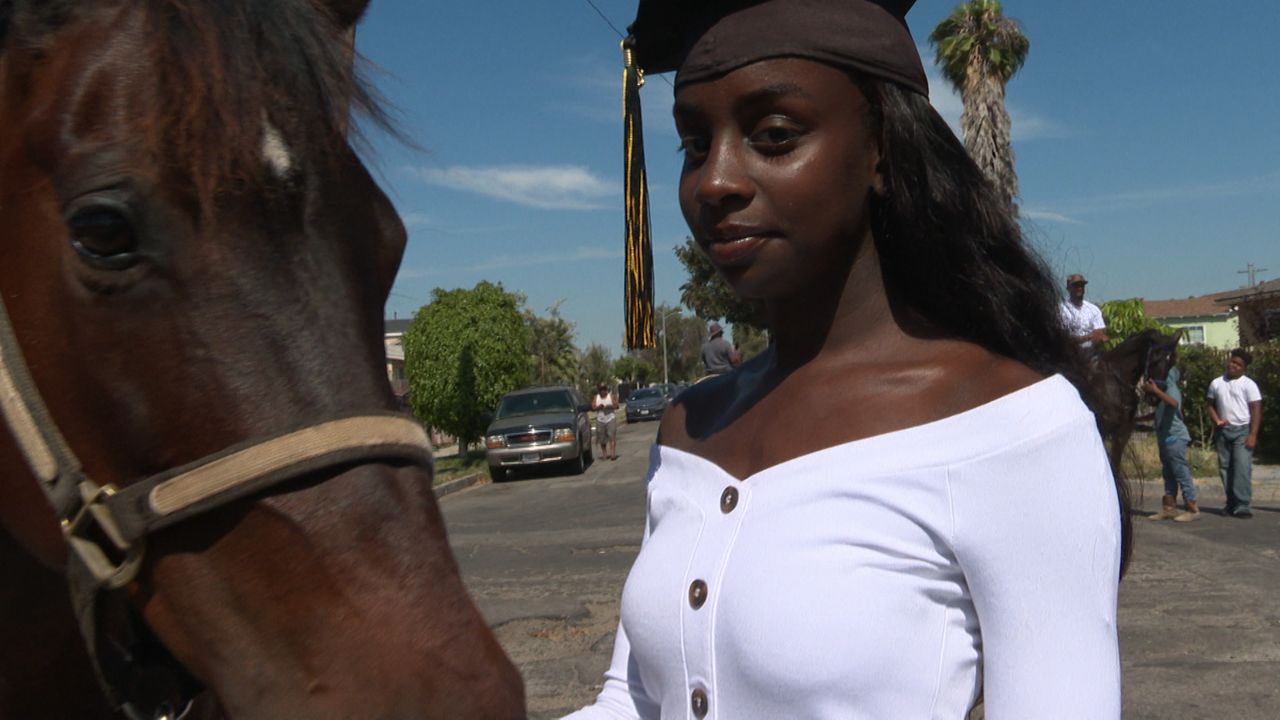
(1204,320)
(393,331)
(1258,308)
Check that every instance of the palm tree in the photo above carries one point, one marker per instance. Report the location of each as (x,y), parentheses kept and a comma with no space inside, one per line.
(979,49)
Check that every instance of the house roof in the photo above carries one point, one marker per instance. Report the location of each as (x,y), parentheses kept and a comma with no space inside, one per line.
(1188,307)
(1267,289)
(395,327)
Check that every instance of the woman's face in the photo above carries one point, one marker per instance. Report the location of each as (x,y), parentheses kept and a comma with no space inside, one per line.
(779,162)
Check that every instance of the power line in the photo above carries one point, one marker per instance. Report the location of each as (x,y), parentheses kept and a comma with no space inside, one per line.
(606,19)
(609,22)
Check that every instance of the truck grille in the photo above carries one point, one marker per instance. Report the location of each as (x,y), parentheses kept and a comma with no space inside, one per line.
(529,437)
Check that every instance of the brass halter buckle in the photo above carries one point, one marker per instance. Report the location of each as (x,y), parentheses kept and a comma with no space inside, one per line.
(94,515)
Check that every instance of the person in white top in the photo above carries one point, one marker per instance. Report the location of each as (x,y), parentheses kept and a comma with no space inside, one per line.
(1235,406)
(853,523)
(1083,319)
(606,422)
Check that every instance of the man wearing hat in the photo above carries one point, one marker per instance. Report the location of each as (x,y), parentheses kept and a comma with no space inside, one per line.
(1083,319)
(717,354)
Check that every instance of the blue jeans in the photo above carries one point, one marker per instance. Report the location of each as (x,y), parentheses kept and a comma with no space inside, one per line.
(1176,469)
(1235,465)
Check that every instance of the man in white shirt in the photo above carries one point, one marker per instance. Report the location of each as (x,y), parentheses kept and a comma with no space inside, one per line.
(1235,405)
(1082,318)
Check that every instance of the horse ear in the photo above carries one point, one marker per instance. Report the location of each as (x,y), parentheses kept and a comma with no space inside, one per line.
(346,12)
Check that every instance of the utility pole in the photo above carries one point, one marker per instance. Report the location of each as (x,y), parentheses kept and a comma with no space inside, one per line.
(1252,271)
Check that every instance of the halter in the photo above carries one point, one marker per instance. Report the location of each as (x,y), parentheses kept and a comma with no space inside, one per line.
(105,526)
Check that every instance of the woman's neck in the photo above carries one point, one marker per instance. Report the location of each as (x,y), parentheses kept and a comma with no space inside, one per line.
(846,319)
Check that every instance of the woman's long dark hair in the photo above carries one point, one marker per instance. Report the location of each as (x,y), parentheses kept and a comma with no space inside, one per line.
(951,249)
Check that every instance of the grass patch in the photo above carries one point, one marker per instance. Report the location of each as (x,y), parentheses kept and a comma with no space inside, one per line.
(1142,459)
(452,467)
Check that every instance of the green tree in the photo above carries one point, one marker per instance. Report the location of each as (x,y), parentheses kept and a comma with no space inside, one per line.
(634,369)
(597,368)
(463,352)
(1127,317)
(709,296)
(684,335)
(553,358)
(979,50)
(749,341)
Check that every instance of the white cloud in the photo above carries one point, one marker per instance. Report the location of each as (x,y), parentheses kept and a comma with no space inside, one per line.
(1047,216)
(415,220)
(556,187)
(942,96)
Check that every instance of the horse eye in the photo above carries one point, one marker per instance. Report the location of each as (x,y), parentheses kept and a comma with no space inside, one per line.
(103,236)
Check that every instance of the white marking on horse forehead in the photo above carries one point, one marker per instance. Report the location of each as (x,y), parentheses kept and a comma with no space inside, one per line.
(275,152)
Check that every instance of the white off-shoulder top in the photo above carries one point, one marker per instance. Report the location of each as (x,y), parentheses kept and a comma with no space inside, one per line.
(889,578)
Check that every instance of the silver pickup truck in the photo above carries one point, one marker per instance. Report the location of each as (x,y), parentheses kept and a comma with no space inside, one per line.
(537,426)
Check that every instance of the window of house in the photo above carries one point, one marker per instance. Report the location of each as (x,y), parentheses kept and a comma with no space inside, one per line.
(1193,335)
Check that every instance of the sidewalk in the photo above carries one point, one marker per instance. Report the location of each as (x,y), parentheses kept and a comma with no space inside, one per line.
(1266,488)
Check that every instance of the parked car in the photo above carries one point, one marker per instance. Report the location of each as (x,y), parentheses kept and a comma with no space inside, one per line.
(669,391)
(646,404)
(538,426)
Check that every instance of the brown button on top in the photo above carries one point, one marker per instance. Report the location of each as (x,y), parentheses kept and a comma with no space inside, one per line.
(697,594)
(729,500)
(698,701)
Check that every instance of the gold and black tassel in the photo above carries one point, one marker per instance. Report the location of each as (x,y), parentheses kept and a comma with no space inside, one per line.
(639,267)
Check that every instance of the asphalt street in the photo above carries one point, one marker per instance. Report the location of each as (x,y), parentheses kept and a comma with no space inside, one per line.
(545,558)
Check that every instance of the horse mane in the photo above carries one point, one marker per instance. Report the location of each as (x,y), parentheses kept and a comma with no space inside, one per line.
(220,68)
(1140,338)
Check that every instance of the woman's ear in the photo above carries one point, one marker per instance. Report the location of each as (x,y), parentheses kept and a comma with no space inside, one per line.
(879,184)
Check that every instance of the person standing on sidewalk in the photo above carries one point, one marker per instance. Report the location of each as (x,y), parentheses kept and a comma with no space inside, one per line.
(1235,405)
(606,422)
(1172,436)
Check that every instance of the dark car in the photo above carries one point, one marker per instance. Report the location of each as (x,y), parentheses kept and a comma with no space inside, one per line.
(646,404)
(538,426)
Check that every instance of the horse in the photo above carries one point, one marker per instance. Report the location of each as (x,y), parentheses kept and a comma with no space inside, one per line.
(200,466)
(1121,372)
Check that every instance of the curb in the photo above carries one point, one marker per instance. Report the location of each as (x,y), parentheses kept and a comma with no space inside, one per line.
(463,483)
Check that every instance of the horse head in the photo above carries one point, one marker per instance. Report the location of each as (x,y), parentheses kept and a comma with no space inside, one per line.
(192,256)
(1162,355)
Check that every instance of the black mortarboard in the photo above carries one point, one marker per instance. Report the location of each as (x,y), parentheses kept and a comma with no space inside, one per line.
(704,39)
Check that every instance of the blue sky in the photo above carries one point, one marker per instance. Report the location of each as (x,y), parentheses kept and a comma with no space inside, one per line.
(1147,138)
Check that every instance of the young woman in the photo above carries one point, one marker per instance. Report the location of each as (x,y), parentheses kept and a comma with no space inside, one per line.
(903,505)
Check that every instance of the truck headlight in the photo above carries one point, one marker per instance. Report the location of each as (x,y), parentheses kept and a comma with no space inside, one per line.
(495,441)
(565,435)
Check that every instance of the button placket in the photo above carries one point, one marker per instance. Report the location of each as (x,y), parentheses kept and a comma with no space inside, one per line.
(707,565)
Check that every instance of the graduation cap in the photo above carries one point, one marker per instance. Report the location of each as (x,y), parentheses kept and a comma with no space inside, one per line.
(704,39)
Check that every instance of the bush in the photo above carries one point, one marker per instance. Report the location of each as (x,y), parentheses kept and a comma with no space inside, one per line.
(1200,365)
